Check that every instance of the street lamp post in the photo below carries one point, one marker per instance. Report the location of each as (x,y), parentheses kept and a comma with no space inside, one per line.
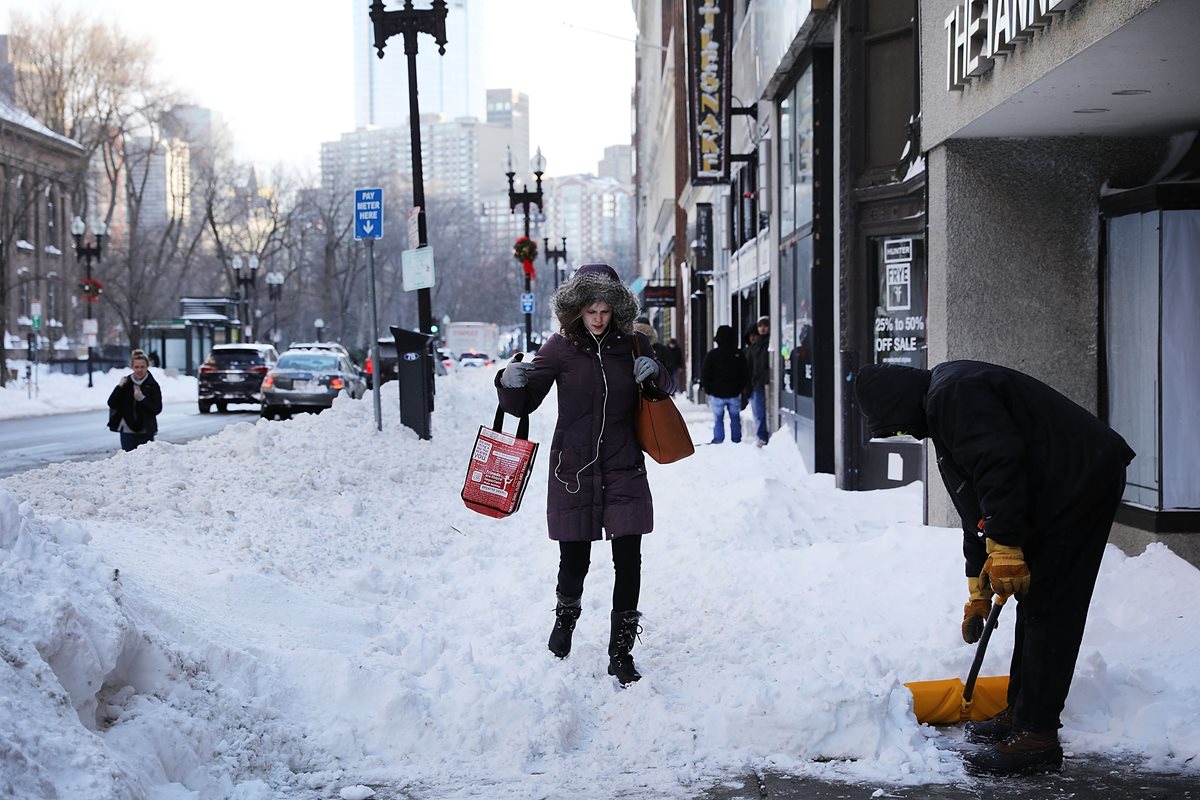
(245,274)
(553,255)
(525,198)
(410,22)
(87,254)
(274,293)
(319,325)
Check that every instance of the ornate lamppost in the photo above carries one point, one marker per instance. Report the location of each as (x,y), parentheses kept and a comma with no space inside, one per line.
(554,255)
(274,293)
(526,246)
(89,287)
(245,273)
(410,22)
(318,325)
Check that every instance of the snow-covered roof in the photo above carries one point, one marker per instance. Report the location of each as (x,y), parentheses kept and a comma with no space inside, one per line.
(11,114)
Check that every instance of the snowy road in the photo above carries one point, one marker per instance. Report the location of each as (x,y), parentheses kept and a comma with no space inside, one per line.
(33,442)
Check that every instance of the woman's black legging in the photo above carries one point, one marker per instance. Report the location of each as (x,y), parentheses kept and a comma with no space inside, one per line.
(575,557)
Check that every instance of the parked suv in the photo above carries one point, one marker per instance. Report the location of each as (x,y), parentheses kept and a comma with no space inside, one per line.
(233,373)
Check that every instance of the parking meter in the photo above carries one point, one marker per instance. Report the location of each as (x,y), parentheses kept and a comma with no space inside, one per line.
(414,374)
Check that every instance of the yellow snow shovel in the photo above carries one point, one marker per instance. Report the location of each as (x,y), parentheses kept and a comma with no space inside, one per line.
(949,701)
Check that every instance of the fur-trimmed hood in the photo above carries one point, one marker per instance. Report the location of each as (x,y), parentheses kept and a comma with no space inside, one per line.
(592,283)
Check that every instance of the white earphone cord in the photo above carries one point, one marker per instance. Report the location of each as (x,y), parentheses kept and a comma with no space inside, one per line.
(603,422)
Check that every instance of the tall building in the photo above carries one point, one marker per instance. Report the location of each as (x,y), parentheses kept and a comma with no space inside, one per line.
(450,84)
(507,108)
(596,216)
(160,172)
(617,164)
(455,155)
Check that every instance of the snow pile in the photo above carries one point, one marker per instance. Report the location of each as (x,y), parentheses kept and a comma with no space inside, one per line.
(57,393)
(306,609)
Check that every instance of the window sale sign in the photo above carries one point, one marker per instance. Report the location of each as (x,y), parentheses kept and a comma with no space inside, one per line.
(709,71)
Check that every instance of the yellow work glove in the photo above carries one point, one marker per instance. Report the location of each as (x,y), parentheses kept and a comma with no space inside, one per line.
(976,610)
(1005,569)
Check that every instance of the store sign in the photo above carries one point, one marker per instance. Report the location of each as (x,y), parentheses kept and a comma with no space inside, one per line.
(979,30)
(709,40)
(660,296)
(900,313)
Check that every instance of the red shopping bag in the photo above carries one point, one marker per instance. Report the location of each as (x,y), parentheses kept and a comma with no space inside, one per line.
(498,472)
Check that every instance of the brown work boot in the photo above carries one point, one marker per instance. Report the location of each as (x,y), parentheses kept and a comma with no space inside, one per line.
(993,729)
(1022,753)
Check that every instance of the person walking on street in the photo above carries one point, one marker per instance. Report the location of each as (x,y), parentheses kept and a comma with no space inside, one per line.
(597,486)
(674,362)
(1036,480)
(760,376)
(135,403)
(724,375)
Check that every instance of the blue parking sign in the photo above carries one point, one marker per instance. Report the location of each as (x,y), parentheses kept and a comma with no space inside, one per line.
(368,213)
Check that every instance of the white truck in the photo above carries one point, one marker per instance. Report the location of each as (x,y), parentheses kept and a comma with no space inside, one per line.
(480,337)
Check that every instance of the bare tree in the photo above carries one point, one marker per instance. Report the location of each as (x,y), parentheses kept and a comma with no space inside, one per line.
(81,78)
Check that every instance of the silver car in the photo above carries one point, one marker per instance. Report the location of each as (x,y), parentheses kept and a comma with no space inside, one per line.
(308,380)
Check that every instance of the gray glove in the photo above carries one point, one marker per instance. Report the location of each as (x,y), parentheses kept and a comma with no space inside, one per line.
(516,374)
(644,367)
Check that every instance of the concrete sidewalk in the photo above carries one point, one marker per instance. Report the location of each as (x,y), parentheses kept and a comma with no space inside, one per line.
(1082,778)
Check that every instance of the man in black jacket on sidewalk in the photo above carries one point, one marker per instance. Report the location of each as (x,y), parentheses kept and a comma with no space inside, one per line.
(723,376)
(1036,480)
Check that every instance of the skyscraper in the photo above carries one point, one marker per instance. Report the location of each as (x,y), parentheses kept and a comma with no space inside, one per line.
(450,84)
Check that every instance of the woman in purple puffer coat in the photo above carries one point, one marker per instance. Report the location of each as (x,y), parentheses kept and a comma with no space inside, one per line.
(598,486)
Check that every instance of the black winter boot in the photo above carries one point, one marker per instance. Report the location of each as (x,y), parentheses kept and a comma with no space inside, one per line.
(1021,753)
(566,614)
(991,730)
(625,630)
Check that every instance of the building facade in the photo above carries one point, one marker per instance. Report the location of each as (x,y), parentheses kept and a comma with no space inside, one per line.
(38,269)
(919,181)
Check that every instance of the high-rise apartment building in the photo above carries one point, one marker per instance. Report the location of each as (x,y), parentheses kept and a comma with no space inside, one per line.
(508,108)
(455,154)
(450,84)
(159,172)
(596,216)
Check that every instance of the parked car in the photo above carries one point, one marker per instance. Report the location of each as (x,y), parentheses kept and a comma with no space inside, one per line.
(473,358)
(233,373)
(388,360)
(308,380)
(445,361)
(333,347)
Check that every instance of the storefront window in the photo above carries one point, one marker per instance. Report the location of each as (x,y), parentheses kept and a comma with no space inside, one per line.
(787,166)
(1151,287)
(803,103)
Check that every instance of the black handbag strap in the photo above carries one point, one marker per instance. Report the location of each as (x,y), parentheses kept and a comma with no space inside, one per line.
(522,423)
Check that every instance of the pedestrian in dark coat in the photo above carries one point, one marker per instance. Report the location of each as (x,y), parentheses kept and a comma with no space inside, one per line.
(134,404)
(674,363)
(1036,480)
(598,485)
(724,375)
(759,358)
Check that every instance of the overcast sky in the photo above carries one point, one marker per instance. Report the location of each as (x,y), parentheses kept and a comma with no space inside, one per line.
(280,71)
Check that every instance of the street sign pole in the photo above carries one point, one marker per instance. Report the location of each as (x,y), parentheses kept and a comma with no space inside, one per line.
(368,224)
(376,381)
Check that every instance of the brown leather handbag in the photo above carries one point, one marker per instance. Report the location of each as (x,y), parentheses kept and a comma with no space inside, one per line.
(658,425)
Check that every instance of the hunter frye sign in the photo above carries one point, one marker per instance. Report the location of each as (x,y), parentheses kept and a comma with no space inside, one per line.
(709,40)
